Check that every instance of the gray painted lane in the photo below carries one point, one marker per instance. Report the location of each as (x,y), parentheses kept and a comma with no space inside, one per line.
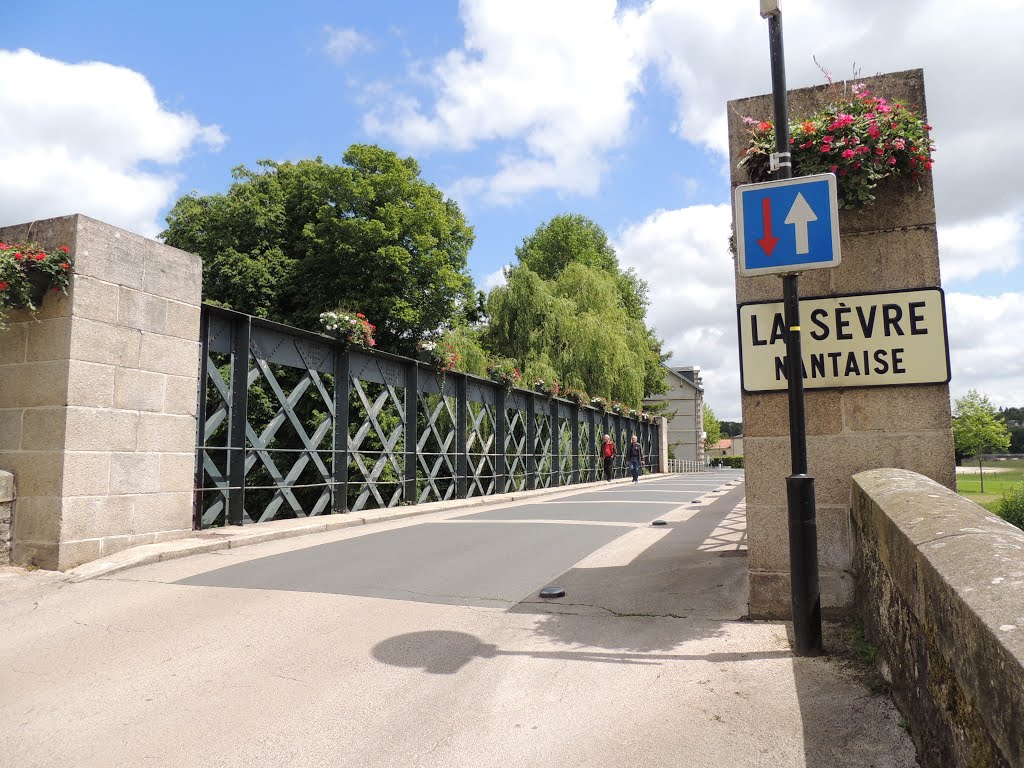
(467,563)
(448,563)
(624,511)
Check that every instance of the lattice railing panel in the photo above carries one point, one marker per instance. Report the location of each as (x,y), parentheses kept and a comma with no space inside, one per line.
(436,449)
(585,447)
(565,451)
(515,450)
(376,445)
(480,449)
(542,450)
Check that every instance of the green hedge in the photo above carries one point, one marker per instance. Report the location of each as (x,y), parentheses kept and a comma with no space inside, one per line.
(735,462)
(1010,506)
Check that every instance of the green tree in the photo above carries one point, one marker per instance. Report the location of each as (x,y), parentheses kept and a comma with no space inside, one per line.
(731,428)
(291,240)
(570,313)
(570,328)
(712,428)
(977,428)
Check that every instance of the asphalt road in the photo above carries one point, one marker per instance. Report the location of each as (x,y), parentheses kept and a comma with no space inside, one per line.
(423,642)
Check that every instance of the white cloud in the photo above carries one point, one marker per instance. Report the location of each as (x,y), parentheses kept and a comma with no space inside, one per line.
(985,346)
(343,42)
(74,137)
(496,278)
(971,248)
(684,257)
(556,80)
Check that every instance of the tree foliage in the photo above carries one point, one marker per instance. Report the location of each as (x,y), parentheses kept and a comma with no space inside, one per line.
(977,428)
(291,240)
(568,312)
(731,428)
(712,428)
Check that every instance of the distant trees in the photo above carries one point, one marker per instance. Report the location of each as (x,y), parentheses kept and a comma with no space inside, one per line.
(977,428)
(1014,420)
(290,240)
(712,428)
(731,428)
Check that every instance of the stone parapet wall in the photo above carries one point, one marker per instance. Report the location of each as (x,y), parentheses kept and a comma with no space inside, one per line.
(939,587)
(888,246)
(6,507)
(98,397)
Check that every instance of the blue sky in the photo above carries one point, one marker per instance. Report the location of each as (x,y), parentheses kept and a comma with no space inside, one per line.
(520,111)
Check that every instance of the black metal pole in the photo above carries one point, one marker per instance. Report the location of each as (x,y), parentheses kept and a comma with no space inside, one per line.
(803,532)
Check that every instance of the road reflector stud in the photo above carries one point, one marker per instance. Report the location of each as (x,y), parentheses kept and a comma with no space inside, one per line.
(549,592)
(659,522)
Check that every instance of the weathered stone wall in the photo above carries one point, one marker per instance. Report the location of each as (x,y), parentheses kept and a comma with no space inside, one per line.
(98,397)
(888,246)
(6,506)
(939,586)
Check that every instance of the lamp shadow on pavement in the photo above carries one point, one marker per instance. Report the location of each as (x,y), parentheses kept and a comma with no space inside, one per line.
(443,652)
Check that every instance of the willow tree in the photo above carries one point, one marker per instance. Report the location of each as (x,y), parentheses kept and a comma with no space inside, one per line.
(569,312)
(571,328)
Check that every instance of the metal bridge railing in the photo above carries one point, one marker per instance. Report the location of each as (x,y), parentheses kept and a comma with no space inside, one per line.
(686,465)
(296,424)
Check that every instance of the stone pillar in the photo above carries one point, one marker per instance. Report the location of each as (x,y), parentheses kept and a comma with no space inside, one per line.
(888,246)
(98,397)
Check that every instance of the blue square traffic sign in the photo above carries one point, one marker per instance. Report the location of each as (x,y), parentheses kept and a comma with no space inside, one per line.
(788,225)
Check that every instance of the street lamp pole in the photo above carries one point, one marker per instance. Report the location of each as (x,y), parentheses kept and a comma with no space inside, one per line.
(803,532)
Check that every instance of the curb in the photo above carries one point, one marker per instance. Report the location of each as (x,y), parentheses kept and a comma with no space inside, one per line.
(225,538)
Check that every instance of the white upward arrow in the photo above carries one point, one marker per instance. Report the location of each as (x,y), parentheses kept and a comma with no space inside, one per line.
(799,216)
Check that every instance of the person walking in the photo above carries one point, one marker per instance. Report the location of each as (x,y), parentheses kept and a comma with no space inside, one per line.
(608,453)
(635,457)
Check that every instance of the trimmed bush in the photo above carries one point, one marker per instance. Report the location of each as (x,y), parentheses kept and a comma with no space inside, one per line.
(1010,506)
(733,462)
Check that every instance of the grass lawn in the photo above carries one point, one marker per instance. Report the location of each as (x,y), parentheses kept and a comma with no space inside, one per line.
(968,484)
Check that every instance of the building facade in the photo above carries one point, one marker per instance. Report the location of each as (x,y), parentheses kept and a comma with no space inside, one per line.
(684,411)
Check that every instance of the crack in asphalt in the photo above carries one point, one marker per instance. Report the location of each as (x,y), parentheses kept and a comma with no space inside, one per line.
(610,611)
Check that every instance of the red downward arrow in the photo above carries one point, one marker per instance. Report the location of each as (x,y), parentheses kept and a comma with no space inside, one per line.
(767,242)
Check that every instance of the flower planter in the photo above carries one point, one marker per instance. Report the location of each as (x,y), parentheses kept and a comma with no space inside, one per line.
(39,283)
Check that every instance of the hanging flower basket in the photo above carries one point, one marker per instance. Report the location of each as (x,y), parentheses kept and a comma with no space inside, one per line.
(576,396)
(349,327)
(28,272)
(505,373)
(862,139)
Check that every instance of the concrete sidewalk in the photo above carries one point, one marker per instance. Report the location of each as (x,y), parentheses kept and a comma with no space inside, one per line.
(648,661)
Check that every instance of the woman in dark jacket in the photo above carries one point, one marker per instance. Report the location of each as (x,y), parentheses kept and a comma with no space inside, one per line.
(635,458)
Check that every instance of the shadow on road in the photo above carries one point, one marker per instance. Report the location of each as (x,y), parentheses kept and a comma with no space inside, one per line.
(442,652)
